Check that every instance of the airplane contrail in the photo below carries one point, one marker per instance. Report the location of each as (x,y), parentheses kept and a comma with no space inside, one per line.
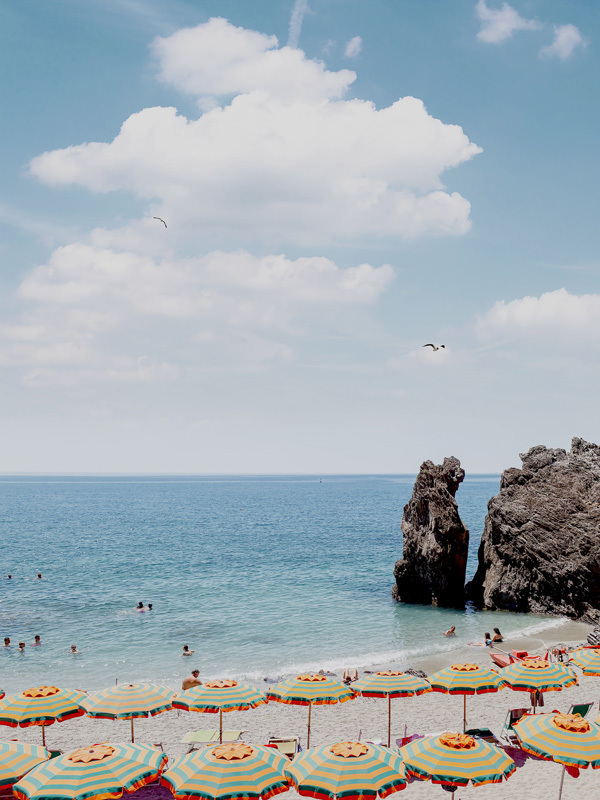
(298,12)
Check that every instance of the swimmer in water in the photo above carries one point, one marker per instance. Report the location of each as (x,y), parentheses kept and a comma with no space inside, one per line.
(186,651)
(140,606)
(6,641)
(21,647)
(9,576)
(40,575)
(74,650)
(149,607)
(450,632)
(37,641)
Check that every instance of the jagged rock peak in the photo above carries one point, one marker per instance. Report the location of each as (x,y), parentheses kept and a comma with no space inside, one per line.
(436,543)
(540,549)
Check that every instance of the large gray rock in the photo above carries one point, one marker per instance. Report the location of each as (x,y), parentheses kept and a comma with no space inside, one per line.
(540,549)
(436,543)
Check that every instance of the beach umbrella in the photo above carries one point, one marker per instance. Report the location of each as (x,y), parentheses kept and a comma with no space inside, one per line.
(227,771)
(42,706)
(454,759)
(588,658)
(390,684)
(17,758)
(348,770)
(1,693)
(310,690)
(465,679)
(222,696)
(566,738)
(97,772)
(129,701)
(537,675)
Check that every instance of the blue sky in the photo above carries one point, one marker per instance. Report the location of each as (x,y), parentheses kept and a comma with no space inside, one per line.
(342,181)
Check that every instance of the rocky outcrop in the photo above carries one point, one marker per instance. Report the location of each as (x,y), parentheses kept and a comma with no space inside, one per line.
(436,543)
(540,549)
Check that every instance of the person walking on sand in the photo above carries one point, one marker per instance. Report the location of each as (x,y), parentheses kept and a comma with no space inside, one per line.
(191,680)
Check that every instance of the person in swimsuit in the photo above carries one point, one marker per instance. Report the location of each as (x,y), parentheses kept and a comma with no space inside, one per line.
(450,632)
(36,642)
(6,641)
(74,650)
(191,680)
(497,637)
(186,651)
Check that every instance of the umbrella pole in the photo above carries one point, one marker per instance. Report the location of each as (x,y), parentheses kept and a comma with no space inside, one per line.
(562,780)
(464,713)
(308,735)
(132,739)
(221,726)
(389,719)
(43,736)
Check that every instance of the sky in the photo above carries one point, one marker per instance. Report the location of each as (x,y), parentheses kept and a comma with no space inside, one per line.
(341,182)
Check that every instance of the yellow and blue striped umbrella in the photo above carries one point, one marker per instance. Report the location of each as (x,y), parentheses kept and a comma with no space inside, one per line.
(239,770)
(222,696)
(310,690)
(17,758)
(349,770)
(537,675)
(129,701)
(454,759)
(390,683)
(566,738)
(588,658)
(41,705)
(465,679)
(98,772)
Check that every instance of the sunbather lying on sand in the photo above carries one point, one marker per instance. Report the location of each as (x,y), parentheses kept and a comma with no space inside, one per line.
(350,675)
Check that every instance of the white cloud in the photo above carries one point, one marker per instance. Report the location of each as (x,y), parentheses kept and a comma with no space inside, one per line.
(567,38)
(353,47)
(498,25)
(308,168)
(554,317)
(299,10)
(217,59)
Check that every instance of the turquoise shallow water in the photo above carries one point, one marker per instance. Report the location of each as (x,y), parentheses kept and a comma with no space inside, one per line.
(258,575)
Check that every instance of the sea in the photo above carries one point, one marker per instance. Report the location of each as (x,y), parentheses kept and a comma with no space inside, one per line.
(261,576)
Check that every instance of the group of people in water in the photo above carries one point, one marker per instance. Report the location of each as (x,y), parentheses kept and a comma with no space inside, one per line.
(37,641)
(488,640)
(141,607)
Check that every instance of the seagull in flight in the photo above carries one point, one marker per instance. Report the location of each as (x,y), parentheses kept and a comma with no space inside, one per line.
(160,219)
(435,349)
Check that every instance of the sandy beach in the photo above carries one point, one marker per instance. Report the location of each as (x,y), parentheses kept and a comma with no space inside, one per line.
(367,718)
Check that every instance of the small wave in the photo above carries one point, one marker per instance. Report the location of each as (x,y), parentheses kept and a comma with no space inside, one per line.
(544,625)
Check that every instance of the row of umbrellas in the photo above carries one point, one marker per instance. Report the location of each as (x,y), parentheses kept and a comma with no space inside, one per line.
(44,705)
(349,770)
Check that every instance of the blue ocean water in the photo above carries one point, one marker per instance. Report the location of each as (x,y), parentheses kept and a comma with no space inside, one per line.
(258,575)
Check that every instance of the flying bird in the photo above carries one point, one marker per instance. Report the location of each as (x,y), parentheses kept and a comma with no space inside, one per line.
(434,347)
(160,219)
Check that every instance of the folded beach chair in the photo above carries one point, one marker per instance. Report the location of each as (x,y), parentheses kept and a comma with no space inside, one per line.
(583,709)
(507,734)
(289,745)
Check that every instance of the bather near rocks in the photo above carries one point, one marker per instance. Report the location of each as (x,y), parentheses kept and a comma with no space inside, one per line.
(436,543)
(540,548)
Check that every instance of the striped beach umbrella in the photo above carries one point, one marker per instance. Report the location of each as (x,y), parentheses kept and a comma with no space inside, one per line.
(454,759)
(227,771)
(17,758)
(588,658)
(566,738)
(98,772)
(42,706)
(222,696)
(349,770)
(465,679)
(390,683)
(129,701)
(310,690)
(537,675)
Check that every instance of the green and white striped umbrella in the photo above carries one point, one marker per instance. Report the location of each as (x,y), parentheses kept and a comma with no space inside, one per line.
(99,772)
(17,758)
(129,701)
(228,771)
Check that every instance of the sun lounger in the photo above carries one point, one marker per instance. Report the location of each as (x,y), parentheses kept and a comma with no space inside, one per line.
(288,746)
(230,736)
(583,709)
(484,733)
(200,737)
(508,735)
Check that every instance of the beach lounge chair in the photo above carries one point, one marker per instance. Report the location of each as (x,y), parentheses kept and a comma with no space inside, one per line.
(507,734)
(484,733)
(197,738)
(288,745)
(583,709)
